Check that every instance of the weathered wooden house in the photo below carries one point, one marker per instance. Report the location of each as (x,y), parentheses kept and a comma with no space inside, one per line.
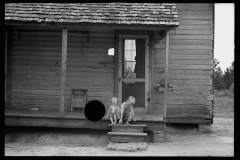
(163,55)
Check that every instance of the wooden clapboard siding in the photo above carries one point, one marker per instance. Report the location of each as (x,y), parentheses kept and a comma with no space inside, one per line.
(186,42)
(36,75)
(37,66)
(93,70)
(190,63)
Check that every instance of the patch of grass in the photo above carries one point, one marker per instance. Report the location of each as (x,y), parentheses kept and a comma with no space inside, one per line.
(223,100)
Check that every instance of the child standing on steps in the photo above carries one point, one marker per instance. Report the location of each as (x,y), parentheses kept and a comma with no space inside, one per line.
(113,112)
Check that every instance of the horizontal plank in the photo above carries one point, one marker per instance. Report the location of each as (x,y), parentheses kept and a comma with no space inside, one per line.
(38,97)
(193,5)
(184,91)
(58,39)
(70,59)
(195,22)
(192,32)
(190,120)
(57,92)
(56,34)
(35,82)
(194,87)
(185,107)
(186,82)
(70,74)
(184,37)
(195,16)
(181,77)
(69,69)
(183,56)
(72,84)
(56,102)
(183,101)
(126,134)
(15,28)
(176,66)
(182,46)
(185,42)
(78,103)
(58,44)
(56,52)
(58,49)
(191,87)
(56,97)
(68,85)
(79,54)
(197,10)
(41,107)
(186,96)
(90,69)
(32,102)
(182,52)
(192,11)
(35,64)
(69,79)
(183,62)
(189,112)
(195,27)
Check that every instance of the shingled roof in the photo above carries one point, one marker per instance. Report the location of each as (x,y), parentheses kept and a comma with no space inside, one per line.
(107,13)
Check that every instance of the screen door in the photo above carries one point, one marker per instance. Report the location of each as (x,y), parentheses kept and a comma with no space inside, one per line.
(134,71)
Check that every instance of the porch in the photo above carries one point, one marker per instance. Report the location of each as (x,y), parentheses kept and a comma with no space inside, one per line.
(76,119)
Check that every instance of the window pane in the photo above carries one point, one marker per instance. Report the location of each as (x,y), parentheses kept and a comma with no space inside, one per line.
(136,89)
(129,59)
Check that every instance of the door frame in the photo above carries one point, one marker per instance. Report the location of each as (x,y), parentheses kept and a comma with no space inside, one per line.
(8,53)
(147,65)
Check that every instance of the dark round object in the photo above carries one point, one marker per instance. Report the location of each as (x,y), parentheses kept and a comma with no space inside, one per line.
(94,110)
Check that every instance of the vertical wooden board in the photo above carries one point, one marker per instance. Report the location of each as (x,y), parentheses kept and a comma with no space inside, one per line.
(63,70)
(147,69)
(5,85)
(120,70)
(166,76)
(116,56)
(9,67)
(151,69)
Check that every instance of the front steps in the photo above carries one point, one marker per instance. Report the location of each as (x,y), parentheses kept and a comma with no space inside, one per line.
(127,133)
(132,135)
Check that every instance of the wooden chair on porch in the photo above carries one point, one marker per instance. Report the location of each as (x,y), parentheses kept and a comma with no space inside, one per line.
(79,97)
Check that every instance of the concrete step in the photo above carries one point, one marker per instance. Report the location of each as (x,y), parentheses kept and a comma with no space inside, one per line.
(126,137)
(128,128)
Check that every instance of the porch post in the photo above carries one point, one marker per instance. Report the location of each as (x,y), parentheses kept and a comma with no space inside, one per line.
(63,70)
(166,78)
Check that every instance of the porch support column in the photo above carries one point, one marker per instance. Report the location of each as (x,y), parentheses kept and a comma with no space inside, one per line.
(63,70)
(166,78)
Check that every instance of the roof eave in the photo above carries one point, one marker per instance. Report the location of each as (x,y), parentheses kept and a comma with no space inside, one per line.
(91,25)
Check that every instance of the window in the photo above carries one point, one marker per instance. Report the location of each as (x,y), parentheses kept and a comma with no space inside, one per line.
(111,52)
(129,58)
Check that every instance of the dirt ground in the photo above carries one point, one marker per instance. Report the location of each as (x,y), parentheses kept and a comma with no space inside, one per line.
(182,142)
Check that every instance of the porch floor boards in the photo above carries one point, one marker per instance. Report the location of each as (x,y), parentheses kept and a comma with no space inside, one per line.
(73,115)
(20,117)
